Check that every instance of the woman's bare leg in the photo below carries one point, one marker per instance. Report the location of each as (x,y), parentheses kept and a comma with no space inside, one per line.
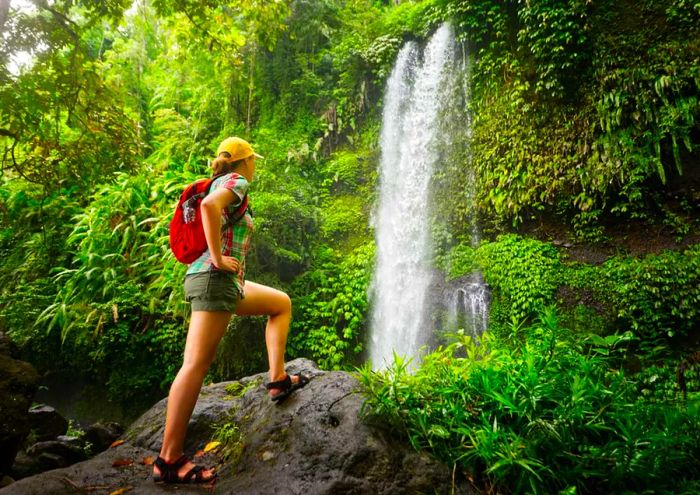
(262,300)
(204,334)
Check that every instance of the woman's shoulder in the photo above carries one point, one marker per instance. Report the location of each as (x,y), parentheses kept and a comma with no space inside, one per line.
(231,180)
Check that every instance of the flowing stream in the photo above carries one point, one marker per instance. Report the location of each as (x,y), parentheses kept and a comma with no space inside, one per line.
(416,102)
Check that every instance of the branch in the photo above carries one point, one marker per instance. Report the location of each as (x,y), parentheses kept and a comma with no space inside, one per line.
(201,28)
(7,132)
(61,17)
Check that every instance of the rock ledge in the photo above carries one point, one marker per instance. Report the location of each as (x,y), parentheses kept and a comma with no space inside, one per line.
(313,443)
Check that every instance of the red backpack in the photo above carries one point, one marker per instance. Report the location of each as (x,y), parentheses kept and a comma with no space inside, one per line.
(187,240)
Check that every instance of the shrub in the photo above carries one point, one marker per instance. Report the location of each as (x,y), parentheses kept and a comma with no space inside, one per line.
(329,322)
(657,296)
(539,412)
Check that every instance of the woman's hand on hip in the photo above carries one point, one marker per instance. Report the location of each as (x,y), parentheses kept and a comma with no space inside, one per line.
(227,263)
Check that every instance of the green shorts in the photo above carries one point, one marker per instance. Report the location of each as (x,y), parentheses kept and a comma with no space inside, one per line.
(212,291)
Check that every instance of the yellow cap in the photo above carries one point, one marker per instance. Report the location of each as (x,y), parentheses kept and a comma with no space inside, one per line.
(237,148)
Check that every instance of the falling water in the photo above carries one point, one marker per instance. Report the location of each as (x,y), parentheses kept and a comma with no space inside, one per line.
(467,306)
(414,100)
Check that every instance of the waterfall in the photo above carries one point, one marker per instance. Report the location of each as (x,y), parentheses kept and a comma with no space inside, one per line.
(413,103)
(467,306)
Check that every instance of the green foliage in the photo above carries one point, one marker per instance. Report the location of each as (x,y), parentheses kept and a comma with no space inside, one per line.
(658,382)
(343,215)
(60,118)
(331,309)
(113,307)
(580,111)
(283,225)
(659,296)
(655,296)
(241,351)
(120,237)
(229,435)
(523,271)
(138,354)
(539,412)
(34,224)
(459,261)
(556,34)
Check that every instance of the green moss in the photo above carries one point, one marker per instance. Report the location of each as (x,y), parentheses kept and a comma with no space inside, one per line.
(237,389)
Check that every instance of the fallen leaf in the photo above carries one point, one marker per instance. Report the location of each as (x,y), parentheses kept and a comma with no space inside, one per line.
(148,460)
(117,443)
(122,490)
(211,446)
(199,453)
(122,462)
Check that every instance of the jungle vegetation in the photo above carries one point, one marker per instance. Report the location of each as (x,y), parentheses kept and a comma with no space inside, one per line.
(584,145)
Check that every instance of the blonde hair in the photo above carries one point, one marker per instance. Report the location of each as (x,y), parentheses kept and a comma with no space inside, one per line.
(223,164)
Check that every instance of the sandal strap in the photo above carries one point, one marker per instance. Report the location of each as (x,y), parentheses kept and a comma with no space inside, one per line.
(169,470)
(163,465)
(284,384)
(195,472)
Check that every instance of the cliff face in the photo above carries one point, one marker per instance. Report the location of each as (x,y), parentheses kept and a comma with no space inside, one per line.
(313,443)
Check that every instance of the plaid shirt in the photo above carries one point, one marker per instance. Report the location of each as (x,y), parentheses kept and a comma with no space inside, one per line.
(235,239)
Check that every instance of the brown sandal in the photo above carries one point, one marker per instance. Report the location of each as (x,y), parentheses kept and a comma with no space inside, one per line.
(286,386)
(169,472)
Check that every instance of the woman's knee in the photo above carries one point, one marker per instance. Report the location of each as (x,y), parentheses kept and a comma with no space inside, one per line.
(196,366)
(284,303)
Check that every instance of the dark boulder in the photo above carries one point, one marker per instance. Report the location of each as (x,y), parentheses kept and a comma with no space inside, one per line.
(7,347)
(46,422)
(102,435)
(71,440)
(316,442)
(25,466)
(49,454)
(18,384)
(69,452)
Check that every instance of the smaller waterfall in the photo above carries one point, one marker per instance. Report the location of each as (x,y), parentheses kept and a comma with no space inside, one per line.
(467,306)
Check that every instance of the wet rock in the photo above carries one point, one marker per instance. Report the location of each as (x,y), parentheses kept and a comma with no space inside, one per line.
(101,475)
(50,454)
(7,347)
(69,452)
(70,440)
(48,461)
(101,436)
(46,422)
(18,384)
(25,466)
(314,443)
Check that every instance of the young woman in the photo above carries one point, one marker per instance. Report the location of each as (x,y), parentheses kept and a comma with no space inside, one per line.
(216,288)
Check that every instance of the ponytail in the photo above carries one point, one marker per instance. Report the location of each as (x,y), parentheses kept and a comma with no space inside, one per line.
(223,164)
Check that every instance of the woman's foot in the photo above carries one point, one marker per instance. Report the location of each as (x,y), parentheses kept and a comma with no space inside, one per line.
(283,388)
(181,470)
